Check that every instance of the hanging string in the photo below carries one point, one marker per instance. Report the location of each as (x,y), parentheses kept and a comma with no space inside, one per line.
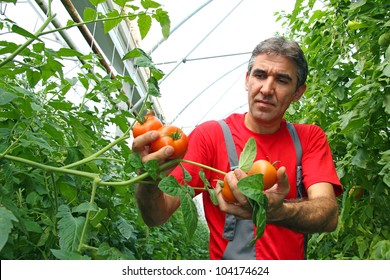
(207,35)
(189,103)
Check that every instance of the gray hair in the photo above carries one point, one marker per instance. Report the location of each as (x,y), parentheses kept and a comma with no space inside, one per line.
(288,48)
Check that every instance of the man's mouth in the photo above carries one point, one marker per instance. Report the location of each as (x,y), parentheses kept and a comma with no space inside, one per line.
(264,103)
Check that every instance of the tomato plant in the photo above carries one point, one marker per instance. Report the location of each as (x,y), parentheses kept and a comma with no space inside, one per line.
(171,136)
(145,124)
(267,169)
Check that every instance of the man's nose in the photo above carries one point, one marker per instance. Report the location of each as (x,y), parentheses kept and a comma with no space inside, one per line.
(268,87)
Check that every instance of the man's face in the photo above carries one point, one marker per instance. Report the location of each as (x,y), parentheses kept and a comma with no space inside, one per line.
(271,87)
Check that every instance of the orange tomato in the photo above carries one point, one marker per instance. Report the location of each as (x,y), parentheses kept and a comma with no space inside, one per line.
(259,167)
(145,124)
(267,169)
(227,193)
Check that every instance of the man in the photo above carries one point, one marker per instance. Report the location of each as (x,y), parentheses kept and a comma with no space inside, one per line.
(276,77)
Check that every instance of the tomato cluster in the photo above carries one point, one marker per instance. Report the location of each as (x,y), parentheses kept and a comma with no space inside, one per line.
(169,135)
(259,167)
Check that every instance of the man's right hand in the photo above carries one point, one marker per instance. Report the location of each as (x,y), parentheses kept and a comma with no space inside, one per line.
(156,207)
(141,145)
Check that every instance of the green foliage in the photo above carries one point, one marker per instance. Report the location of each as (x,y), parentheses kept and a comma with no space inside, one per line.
(66,183)
(348,96)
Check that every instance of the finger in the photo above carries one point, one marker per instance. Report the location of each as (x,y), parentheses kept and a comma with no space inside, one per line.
(144,140)
(240,174)
(283,184)
(234,209)
(160,155)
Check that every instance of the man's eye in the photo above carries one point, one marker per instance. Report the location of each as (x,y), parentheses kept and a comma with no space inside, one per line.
(260,76)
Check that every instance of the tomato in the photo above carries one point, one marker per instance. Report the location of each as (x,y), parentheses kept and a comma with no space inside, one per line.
(356,192)
(171,136)
(148,123)
(259,167)
(227,193)
(267,169)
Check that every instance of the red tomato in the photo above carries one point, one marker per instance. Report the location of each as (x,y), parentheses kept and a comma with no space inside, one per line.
(148,123)
(171,136)
(227,193)
(267,169)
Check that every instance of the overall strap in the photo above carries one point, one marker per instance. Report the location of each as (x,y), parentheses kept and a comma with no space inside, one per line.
(238,232)
(298,151)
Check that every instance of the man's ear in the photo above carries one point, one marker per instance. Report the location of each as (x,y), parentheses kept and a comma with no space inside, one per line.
(299,92)
(246,81)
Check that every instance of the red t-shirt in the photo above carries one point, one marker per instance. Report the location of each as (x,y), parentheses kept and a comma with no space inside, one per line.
(207,146)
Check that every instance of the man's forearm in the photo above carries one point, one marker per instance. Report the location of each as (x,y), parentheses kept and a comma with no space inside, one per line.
(307,216)
(156,207)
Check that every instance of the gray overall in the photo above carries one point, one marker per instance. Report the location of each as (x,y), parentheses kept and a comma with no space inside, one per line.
(241,232)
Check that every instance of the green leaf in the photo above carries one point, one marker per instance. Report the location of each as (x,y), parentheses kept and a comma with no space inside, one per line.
(360,159)
(97,2)
(120,3)
(157,73)
(65,52)
(69,229)
(6,97)
(147,4)
(68,191)
(386,71)
(162,17)
(144,23)
(187,176)
(252,187)
(66,255)
(89,14)
(134,161)
(144,61)
(260,218)
(213,196)
(85,207)
(33,78)
(112,21)
(133,54)
(190,214)
(6,218)
(32,226)
(98,217)
(357,4)
(121,121)
(111,253)
(21,31)
(248,155)
(153,88)
(152,167)
(381,250)
(126,229)
(169,185)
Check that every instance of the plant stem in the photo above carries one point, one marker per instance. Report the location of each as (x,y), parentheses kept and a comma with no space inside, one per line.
(92,199)
(51,168)
(170,163)
(125,136)
(204,166)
